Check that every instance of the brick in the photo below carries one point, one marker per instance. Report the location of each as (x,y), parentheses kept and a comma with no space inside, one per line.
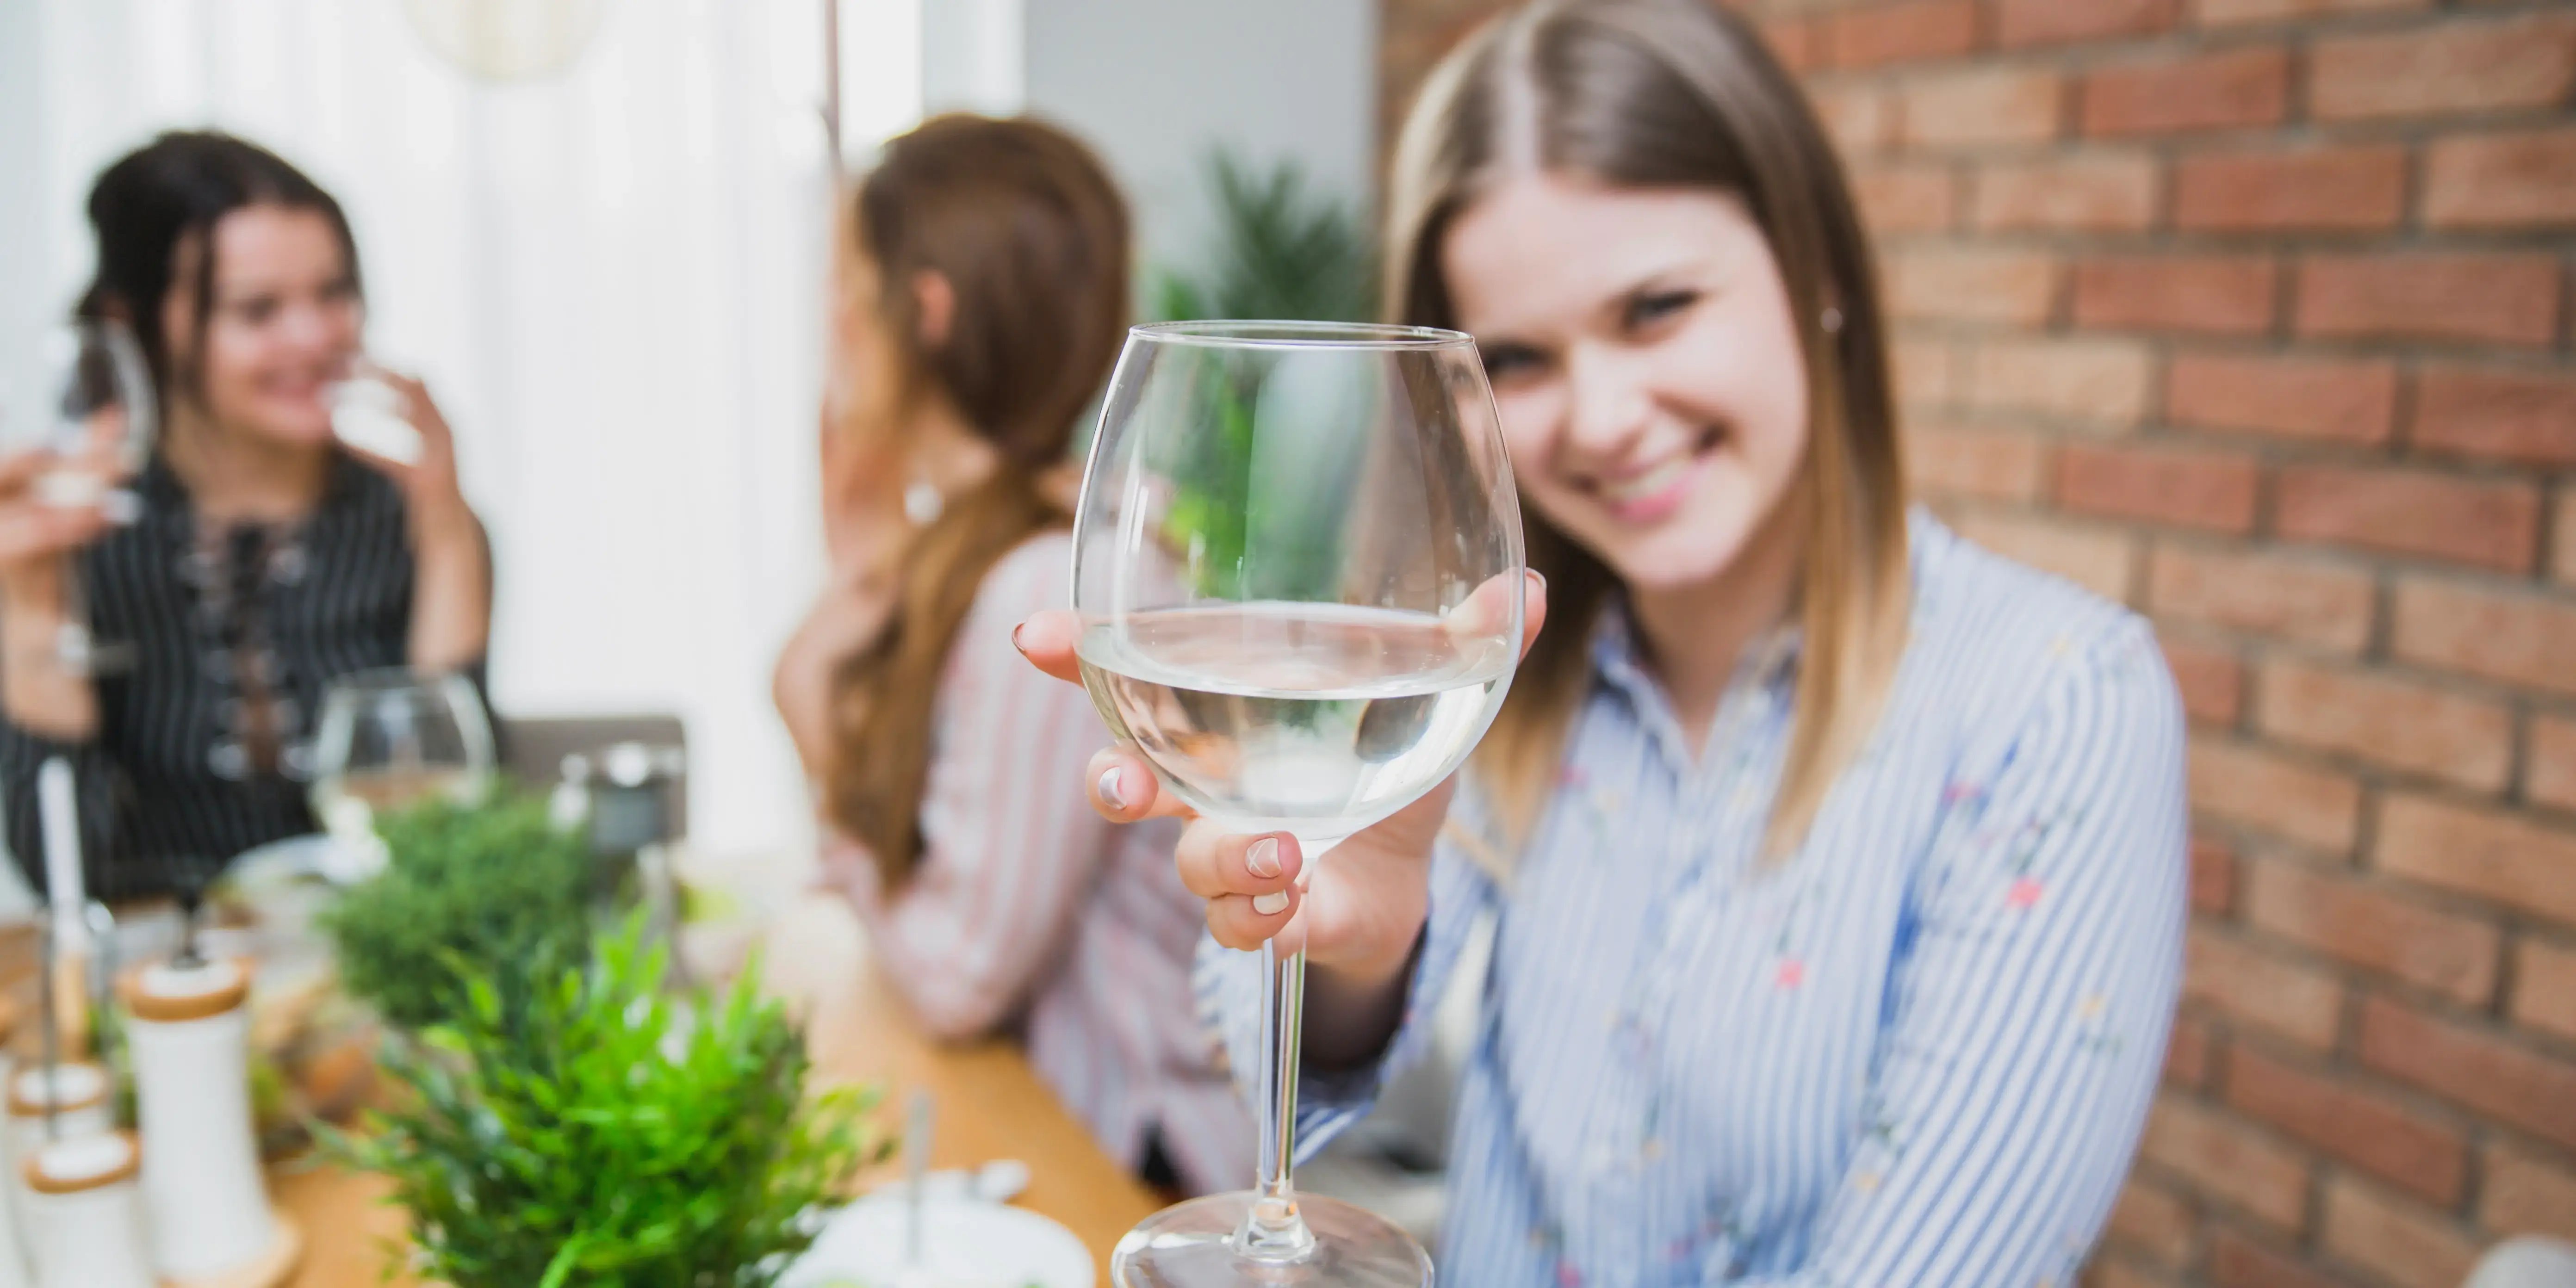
(2401,1242)
(2022,23)
(2544,988)
(2463,297)
(2104,1272)
(2262,990)
(2089,192)
(2375,928)
(2212,490)
(2098,559)
(1971,286)
(2562,558)
(2189,294)
(1858,119)
(2232,13)
(1797,42)
(2411,512)
(1908,31)
(2350,189)
(1961,460)
(2526,1194)
(2504,858)
(2495,635)
(2230,89)
(2152,1221)
(2257,789)
(1861,119)
(1982,107)
(1923,372)
(2549,763)
(1904,198)
(2225,1161)
(2213,876)
(2189,1053)
(2473,1068)
(2400,724)
(2371,1132)
(2307,600)
(2525,180)
(2213,687)
(2102,381)
(2236,1261)
(2528,417)
(2453,67)
(2347,400)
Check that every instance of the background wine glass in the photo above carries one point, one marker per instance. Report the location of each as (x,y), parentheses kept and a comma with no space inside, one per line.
(1298,565)
(82,393)
(390,738)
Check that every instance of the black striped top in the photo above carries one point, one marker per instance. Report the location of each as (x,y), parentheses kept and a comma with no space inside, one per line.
(228,636)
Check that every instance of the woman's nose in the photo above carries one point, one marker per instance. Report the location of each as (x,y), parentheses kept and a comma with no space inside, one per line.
(1607,404)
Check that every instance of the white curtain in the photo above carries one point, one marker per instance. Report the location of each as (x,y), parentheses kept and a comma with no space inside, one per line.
(610,279)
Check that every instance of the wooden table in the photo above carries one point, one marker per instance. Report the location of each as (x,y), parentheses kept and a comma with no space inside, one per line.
(990,1104)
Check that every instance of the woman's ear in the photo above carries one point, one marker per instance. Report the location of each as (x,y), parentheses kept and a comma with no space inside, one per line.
(934,303)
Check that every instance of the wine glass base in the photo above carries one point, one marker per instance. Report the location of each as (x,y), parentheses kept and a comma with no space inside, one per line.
(1191,1245)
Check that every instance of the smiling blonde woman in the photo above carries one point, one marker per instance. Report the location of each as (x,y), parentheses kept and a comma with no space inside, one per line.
(1838,865)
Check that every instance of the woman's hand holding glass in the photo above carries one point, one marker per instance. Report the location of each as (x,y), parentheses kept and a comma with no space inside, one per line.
(1356,918)
(389,421)
(37,532)
(77,418)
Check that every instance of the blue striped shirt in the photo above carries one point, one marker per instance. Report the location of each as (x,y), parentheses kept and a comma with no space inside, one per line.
(1918,1052)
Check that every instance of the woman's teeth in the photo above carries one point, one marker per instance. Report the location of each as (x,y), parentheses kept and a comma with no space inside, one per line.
(1638,487)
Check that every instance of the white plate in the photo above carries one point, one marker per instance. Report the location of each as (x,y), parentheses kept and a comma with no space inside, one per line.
(965,1243)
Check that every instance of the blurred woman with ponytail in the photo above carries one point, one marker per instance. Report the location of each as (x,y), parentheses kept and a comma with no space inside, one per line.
(980,298)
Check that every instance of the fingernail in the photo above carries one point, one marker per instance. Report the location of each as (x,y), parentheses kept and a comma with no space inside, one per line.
(1015,638)
(1109,793)
(1271,904)
(1538,577)
(1263,857)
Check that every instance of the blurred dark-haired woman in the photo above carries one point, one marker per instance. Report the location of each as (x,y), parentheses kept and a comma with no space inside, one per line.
(268,558)
(981,297)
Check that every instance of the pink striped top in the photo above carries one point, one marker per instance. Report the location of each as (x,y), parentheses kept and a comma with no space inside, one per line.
(1030,914)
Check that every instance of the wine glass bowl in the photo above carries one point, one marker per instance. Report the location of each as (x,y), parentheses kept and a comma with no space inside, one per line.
(390,738)
(82,394)
(1298,568)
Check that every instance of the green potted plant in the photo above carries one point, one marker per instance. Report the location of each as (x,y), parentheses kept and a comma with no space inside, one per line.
(605,1132)
(1282,252)
(496,885)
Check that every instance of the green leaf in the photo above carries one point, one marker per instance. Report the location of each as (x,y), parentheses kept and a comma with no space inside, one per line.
(551,1140)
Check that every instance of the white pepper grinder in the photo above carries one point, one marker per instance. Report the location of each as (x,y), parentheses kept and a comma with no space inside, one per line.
(88,1222)
(188,1030)
(75,1096)
(13,1252)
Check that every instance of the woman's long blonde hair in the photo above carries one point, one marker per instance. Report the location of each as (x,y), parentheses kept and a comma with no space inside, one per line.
(1680,94)
(1031,235)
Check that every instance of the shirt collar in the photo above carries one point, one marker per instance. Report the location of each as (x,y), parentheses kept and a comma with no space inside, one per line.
(1769,661)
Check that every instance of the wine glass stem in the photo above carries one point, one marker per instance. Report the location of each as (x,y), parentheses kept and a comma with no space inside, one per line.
(1273,1230)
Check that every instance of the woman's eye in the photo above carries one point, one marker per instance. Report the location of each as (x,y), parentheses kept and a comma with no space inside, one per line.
(1504,362)
(258,312)
(1654,306)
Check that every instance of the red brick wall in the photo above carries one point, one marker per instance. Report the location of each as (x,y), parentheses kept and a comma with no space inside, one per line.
(2255,314)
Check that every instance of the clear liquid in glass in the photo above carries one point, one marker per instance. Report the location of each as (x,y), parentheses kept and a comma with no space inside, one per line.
(1313,719)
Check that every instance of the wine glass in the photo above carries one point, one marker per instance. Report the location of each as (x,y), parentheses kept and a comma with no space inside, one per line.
(368,413)
(390,738)
(1298,567)
(83,394)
